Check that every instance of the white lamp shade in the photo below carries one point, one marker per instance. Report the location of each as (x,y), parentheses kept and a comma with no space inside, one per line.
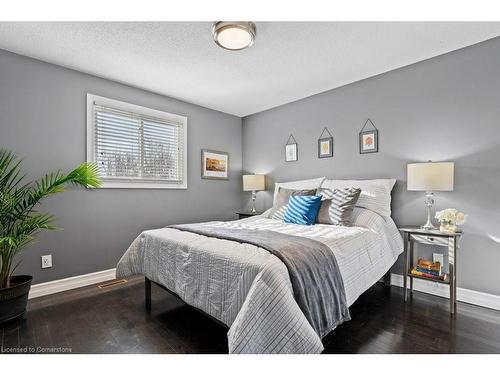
(253,182)
(430,176)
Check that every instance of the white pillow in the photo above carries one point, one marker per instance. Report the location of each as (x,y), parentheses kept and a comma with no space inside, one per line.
(298,185)
(375,194)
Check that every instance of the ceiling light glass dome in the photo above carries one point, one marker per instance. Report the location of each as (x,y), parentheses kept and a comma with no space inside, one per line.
(235,35)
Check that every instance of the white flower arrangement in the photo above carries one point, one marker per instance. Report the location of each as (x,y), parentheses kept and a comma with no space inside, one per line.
(451,217)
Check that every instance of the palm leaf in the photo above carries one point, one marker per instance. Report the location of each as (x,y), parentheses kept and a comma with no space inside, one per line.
(86,175)
(19,222)
(9,171)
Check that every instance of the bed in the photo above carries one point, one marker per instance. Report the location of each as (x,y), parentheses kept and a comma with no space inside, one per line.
(247,288)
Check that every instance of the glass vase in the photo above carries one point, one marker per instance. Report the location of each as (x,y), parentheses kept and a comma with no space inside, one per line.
(448,228)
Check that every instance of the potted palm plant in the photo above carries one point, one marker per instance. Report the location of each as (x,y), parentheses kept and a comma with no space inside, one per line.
(20,222)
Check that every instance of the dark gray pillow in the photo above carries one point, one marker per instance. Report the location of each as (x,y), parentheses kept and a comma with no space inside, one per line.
(337,205)
(281,203)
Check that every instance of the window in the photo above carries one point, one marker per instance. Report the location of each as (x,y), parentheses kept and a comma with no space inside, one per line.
(136,147)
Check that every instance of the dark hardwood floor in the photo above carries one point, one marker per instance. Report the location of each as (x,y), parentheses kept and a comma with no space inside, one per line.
(114,320)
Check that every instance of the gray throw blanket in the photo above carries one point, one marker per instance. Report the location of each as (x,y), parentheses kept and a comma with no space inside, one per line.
(316,280)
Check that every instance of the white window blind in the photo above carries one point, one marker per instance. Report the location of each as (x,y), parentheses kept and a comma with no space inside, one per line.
(136,146)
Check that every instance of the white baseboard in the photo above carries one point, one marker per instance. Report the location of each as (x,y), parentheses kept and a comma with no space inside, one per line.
(61,285)
(464,295)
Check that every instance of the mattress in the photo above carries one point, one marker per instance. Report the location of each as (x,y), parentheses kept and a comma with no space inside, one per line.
(247,288)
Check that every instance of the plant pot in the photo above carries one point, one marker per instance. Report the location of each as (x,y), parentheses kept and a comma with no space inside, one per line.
(13,300)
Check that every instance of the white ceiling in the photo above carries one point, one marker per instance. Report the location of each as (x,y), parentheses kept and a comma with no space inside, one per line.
(289,60)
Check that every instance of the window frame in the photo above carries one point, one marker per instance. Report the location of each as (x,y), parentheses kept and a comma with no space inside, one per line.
(140,110)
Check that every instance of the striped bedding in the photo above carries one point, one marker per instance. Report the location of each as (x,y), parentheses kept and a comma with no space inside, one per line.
(249,289)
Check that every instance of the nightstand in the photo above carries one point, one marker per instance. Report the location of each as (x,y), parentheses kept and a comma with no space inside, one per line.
(436,238)
(245,214)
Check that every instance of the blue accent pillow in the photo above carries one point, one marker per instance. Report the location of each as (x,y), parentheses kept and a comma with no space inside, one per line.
(302,209)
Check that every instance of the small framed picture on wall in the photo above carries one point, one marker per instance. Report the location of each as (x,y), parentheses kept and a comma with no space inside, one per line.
(291,152)
(325,145)
(291,149)
(214,165)
(368,139)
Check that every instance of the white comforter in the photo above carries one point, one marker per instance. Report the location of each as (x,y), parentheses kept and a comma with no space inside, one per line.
(248,288)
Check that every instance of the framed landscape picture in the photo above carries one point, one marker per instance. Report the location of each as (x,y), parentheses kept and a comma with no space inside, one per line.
(368,141)
(325,147)
(214,165)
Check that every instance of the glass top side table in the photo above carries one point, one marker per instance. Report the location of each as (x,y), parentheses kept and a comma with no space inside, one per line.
(435,238)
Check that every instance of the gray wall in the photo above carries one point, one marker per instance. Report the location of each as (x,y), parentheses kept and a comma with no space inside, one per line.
(42,119)
(445,108)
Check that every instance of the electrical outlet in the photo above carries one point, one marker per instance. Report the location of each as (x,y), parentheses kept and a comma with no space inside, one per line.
(46,261)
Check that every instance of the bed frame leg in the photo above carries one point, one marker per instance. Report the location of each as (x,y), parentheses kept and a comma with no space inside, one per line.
(387,279)
(147,293)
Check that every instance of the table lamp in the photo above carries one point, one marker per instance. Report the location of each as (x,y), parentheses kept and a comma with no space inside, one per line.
(253,183)
(430,177)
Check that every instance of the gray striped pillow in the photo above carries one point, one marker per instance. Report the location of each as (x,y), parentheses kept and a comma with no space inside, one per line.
(337,205)
(281,202)
(375,194)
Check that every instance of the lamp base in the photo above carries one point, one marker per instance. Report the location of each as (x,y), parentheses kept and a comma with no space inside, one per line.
(429,202)
(428,227)
(254,196)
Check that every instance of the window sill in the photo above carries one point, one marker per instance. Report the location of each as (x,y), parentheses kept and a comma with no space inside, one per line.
(141,185)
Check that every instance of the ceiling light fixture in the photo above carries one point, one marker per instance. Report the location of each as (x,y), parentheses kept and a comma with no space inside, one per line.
(234,36)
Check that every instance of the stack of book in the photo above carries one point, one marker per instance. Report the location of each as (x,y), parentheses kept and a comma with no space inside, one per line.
(430,270)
